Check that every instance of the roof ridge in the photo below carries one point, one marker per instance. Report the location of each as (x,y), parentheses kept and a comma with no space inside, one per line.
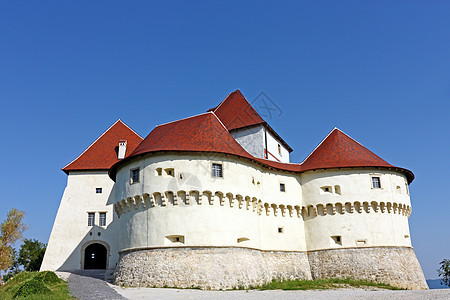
(217,107)
(335,128)
(129,128)
(197,115)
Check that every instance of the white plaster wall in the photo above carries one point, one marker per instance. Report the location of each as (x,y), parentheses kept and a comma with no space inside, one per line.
(251,139)
(376,228)
(206,224)
(71,231)
(272,147)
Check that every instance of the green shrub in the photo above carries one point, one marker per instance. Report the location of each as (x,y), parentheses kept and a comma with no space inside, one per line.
(47,277)
(32,287)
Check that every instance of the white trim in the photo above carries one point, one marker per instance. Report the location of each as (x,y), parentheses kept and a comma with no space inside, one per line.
(183,119)
(119,120)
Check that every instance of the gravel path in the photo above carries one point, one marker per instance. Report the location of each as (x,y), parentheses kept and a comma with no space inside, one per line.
(347,294)
(83,288)
(87,288)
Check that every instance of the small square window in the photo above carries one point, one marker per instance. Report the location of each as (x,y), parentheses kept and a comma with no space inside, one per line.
(91,219)
(217,170)
(98,190)
(280,229)
(134,176)
(282,187)
(102,220)
(376,184)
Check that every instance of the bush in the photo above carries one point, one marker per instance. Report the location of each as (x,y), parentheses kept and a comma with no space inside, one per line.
(47,277)
(31,287)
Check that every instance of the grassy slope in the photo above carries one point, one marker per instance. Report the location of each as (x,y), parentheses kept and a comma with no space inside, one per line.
(322,284)
(59,290)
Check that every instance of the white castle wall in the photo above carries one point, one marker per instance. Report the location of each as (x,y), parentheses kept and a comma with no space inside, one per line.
(212,215)
(71,233)
(272,147)
(206,210)
(363,216)
(253,140)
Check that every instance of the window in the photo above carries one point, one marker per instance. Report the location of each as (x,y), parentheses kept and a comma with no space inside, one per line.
(158,172)
(376,184)
(134,176)
(279,149)
(337,239)
(282,187)
(91,219)
(217,170)
(98,190)
(327,189)
(102,220)
(170,172)
(280,229)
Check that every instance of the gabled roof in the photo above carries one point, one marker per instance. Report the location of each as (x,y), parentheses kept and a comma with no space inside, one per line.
(338,150)
(102,153)
(236,112)
(202,133)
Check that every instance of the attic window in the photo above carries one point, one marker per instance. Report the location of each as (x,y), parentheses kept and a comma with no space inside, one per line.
(98,190)
(279,149)
(282,187)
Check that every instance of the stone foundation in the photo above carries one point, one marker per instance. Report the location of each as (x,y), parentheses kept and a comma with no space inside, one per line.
(208,268)
(397,266)
(229,267)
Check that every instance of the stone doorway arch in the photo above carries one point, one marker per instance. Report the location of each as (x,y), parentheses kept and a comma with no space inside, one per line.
(95,256)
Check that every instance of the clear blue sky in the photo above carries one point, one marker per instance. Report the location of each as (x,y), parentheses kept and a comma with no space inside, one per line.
(379,71)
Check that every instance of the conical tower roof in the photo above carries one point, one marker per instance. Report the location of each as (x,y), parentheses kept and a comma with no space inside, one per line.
(338,150)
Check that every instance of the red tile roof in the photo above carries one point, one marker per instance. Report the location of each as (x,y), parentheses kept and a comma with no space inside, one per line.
(102,153)
(338,150)
(202,133)
(236,112)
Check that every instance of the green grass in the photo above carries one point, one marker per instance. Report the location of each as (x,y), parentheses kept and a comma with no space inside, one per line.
(322,284)
(37,285)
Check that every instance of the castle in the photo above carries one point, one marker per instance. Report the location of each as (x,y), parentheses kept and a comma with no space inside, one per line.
(212,201)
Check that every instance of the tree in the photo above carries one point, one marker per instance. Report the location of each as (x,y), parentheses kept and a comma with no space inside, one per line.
(31,255)
(444,272)
(15,267)
(11,230)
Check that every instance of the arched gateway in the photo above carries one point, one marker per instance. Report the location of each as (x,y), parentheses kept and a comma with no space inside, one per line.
(95,256)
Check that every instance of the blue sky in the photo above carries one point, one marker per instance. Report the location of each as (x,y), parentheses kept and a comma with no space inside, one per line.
(379,71)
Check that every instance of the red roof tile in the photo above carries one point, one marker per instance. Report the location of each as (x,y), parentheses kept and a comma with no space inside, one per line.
(203,133)
(102,153)
(338,150)
(236,112)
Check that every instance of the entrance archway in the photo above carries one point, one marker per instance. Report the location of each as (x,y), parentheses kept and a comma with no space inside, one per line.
(95,256)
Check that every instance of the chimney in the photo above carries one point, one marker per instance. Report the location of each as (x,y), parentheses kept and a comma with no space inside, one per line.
(122,149)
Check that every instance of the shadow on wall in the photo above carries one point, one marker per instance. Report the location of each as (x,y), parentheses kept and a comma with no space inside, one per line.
(94,249)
